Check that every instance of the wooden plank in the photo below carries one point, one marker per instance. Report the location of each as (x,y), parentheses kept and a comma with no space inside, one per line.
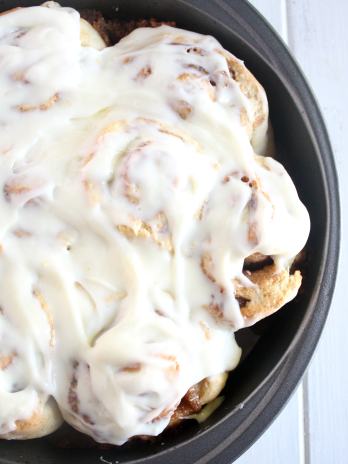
(283,441)
(319,38)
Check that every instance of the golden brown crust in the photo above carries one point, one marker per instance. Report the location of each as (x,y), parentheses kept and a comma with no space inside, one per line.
(272,290)
(256,123)
(156,231)
(45,420)
(250,88)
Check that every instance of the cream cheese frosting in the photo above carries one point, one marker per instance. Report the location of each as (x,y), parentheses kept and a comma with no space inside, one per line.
(119,169)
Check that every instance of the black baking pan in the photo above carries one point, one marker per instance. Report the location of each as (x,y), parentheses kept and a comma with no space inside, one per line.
(279,348)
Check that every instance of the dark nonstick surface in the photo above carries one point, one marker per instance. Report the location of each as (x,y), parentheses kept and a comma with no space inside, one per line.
(280,347)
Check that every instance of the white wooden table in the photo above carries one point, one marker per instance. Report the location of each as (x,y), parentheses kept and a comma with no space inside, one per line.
(313,427)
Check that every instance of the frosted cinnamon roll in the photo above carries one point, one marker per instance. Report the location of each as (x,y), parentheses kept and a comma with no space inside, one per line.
(26,339)
(140,228)
(201,75)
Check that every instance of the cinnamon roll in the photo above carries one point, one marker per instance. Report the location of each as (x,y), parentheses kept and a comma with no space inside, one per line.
(141,223)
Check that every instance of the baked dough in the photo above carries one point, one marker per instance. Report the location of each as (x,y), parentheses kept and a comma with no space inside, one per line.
(142,198)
